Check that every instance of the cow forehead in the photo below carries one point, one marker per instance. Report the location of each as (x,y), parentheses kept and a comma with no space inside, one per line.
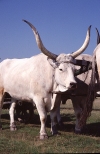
(66,65)
(64,58)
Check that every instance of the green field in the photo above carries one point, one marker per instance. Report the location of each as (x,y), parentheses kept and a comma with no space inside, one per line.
(26,138)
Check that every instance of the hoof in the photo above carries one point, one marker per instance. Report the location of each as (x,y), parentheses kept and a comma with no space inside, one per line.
(54,130)
(20,120)
(13,128)
(56,134)
(60,125)
(81,131)
(43,137)
(77,131)
(1,128)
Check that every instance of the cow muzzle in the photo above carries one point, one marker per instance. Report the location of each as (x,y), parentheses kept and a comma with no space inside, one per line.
(73,85)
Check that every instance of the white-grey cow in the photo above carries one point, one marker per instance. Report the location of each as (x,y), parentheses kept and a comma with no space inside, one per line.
(88,85)
(35,79)
(79,95)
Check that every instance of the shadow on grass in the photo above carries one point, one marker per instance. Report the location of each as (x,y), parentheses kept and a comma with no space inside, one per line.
(95,109)
(93,129)
(68,120)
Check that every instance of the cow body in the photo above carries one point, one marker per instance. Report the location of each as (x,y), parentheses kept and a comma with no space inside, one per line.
(39,80)
(25,85)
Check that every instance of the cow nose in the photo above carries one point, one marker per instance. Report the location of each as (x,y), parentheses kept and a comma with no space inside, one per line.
(73,85)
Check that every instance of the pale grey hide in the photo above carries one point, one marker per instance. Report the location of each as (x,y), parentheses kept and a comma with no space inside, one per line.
(34,79)
(96,59)
(79,95)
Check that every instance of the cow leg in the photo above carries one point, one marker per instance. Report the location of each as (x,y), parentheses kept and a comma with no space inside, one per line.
(43,116)
(59,119)
(55,114)
(31,112)
(78,104)
(11,113)
(29,118)
(18,114)
(19,111)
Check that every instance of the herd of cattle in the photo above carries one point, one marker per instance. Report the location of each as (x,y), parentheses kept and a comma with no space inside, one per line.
(24,85)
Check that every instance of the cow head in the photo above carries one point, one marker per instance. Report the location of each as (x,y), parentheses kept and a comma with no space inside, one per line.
(63,63)
(64,72)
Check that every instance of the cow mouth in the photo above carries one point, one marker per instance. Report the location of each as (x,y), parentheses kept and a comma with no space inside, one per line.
(62,89)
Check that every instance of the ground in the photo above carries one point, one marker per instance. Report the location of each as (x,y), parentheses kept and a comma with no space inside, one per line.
(25,139)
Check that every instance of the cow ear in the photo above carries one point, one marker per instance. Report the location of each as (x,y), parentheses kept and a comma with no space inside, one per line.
(53,63)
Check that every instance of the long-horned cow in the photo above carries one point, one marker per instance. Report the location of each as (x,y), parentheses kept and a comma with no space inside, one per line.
(79,95)
(24,79)
(88,85)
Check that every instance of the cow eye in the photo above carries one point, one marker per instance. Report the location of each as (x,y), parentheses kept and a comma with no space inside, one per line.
(60,69)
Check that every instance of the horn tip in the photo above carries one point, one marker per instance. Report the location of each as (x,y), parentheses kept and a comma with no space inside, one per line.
(97,30)
(24,20)
(90,27)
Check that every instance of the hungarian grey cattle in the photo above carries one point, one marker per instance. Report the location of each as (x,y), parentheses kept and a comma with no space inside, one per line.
(79,95)
(88,85)
(39,79)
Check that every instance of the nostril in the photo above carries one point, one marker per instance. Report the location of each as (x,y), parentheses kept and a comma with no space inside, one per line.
(73,85)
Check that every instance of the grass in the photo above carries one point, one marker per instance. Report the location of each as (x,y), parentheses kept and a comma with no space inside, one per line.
(26,140)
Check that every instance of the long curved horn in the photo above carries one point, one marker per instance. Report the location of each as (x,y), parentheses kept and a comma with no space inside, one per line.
(39,42)
(84,46)
(98,36)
